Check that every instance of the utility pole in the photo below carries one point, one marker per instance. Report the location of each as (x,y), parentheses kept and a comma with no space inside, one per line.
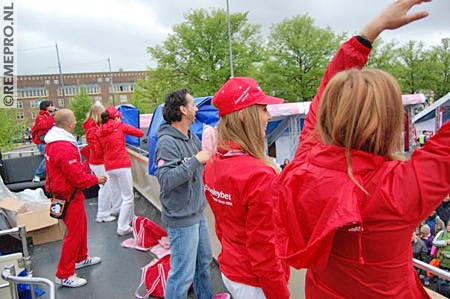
(111,82)
(229,40)
(61,78)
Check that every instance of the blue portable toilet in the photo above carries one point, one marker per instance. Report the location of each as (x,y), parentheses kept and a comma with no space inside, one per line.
(130,116)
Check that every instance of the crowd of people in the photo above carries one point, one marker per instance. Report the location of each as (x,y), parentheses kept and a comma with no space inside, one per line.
(430,244)
(344,208)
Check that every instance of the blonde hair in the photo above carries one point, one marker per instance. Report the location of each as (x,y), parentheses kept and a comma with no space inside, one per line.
(95,112)
(362,110)
(246,133)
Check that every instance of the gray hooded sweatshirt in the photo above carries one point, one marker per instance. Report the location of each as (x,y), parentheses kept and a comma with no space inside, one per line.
(180,177)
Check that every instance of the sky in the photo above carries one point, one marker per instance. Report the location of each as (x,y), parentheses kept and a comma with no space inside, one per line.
(88,32)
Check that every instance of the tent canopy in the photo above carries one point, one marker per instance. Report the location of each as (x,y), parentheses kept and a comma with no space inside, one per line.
(208,114)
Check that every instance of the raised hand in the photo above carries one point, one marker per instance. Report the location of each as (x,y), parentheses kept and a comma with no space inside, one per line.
(394,16)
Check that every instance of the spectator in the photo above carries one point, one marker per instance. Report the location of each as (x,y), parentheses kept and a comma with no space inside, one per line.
(43,123)
(426,236)
(111,146)
(442,241)
(348,202)
(434,221)
(68,178)
(285,163)
(238,198)
(95,159)
(420,250)
(443,210)
(421,139)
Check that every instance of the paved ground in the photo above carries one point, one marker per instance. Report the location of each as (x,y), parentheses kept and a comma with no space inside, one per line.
(119,273)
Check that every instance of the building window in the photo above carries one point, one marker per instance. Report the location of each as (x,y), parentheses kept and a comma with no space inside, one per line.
(55,81)
(20,104)
(20,116)
(34,104)
(61,102)
(91,89)
(123,98)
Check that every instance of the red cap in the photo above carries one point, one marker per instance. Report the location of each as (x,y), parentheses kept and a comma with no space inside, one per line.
(113,112)
(241,92)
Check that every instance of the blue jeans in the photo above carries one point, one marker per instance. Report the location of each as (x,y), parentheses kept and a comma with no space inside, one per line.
(40,171)
(189,261)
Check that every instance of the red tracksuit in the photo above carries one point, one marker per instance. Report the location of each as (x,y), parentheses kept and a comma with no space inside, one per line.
(65,174)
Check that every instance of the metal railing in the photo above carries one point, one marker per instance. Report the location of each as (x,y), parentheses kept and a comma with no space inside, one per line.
(429,268)
(9,274)
(9,271)
(25,262)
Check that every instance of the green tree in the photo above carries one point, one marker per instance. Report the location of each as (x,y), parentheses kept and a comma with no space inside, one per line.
(196,55)
(80,106)
(10,130)
(298,53)
(384,56)
(149,92)
(440,55)
(417,71)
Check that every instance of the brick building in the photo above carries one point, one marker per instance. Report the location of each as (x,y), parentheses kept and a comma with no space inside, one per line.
(31,89)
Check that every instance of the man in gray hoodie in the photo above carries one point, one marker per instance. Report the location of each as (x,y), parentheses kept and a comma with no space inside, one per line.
(179,164)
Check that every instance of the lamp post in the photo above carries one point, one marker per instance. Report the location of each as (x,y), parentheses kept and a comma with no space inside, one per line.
(111,82)
(229,41)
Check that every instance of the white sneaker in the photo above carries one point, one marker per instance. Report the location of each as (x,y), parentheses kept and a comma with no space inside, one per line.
(105,219)
(36,179)
(124,233)
(72,282)
(91,260)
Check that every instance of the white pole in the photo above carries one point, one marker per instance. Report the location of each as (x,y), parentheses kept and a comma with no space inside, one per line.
(229,40)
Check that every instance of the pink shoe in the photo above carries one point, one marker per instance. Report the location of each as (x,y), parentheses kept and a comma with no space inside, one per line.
(222,296)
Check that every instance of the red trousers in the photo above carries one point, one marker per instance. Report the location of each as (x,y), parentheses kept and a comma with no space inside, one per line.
(74,247)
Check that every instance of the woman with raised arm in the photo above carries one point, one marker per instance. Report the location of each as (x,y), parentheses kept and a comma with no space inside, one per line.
(111,145)
(348,202)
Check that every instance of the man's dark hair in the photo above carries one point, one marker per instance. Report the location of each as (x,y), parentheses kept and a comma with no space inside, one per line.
(44,104)
(173,102)
(105,117)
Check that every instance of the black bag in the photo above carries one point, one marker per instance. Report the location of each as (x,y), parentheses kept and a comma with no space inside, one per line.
(58,205)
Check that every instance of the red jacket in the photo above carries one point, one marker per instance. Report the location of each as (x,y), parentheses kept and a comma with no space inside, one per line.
(357,246)
(64,169)
(89,151)
(111,145)
(43,123)
(238,189)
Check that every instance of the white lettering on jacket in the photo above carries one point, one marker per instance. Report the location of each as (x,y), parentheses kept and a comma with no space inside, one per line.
(219,196)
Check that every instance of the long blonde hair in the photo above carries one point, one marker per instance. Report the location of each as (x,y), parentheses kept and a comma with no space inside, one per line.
(95,112)
(362,110)
(246,133)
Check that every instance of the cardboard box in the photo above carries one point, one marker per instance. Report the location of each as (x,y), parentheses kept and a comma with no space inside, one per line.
(48,234)
(38,223)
